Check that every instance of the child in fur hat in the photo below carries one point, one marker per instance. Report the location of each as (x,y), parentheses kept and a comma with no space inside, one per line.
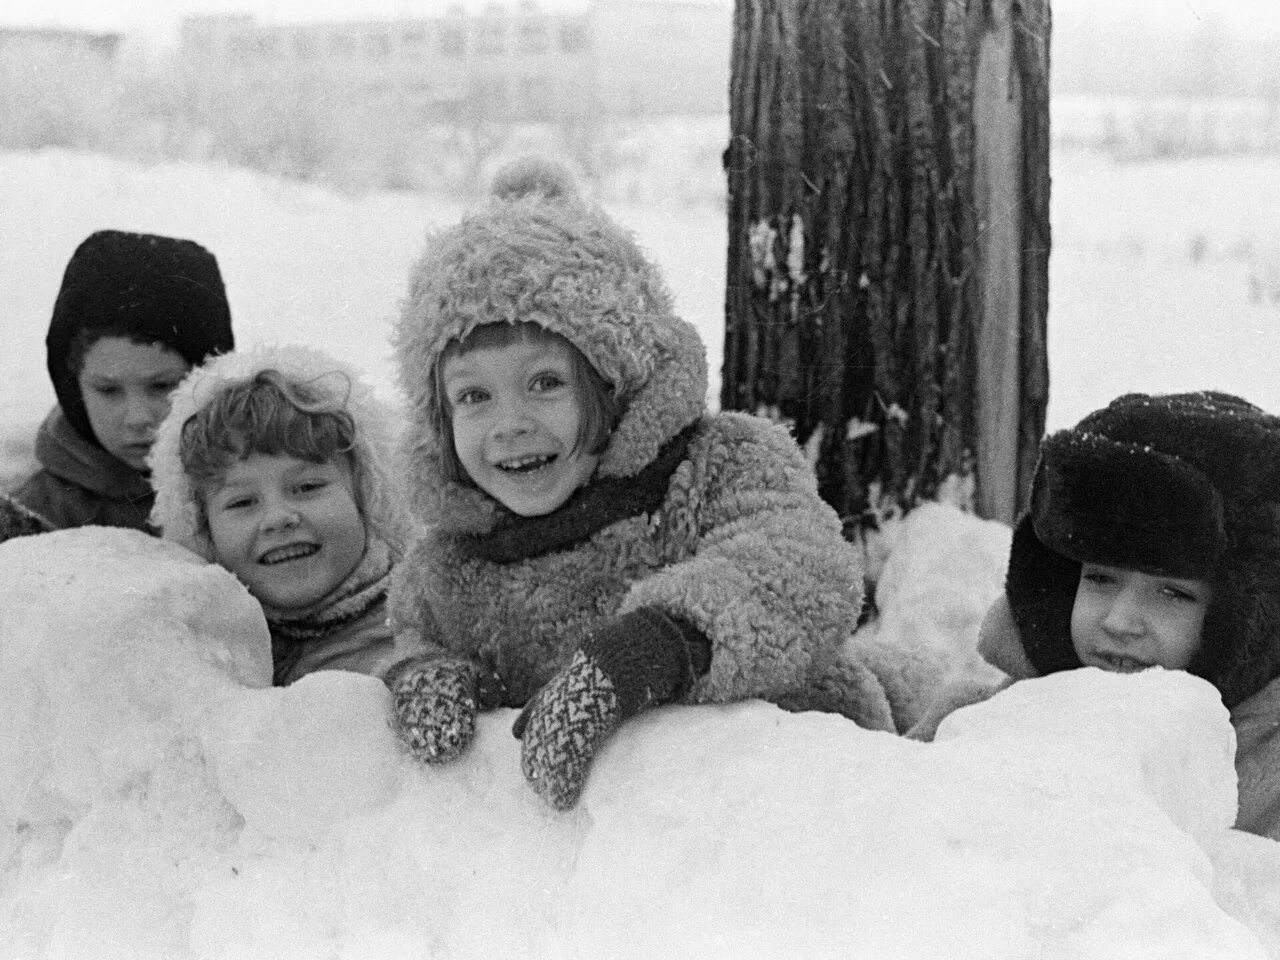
(272,463)
(598,543)
(135,312)
(1153,539)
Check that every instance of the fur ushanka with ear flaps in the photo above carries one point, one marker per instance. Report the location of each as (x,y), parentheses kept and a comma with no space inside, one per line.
(1183,485)
(736,542)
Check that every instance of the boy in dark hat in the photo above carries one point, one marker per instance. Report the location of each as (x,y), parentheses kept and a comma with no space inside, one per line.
(135,312)
(1153,539)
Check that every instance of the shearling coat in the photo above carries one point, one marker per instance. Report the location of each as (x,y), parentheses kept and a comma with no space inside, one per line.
(739,545)
(80,484)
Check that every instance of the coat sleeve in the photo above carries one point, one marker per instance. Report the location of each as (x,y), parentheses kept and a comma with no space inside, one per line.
(413,626)
(55,500)
(769,578)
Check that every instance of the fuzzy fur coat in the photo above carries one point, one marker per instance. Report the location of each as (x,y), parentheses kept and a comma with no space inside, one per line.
(739,545)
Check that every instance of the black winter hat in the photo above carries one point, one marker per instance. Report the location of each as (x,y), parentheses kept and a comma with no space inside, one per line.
(1184,485)
(148,288)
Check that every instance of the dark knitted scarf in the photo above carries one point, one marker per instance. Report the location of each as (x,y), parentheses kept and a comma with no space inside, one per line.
(292,631)
(599,504)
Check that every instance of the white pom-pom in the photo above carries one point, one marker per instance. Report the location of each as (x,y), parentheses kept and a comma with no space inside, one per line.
(534,176)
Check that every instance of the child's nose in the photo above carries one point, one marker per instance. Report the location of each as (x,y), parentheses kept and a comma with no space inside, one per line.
(280,516)
(1124,616)
(142,412)
(511,421)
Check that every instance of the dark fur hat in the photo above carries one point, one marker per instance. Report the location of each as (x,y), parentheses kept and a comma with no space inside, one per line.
(144,287)
(1183,485)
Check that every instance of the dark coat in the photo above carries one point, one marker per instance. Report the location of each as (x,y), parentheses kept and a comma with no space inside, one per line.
(80,484)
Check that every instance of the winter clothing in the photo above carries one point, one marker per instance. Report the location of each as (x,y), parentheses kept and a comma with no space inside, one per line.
(17,521)
(1181,485)
(707,526)
(1257,725)
(143,287)
(1184,485)
(347,629)
(79,483)
(150,288)
(436,700)
(641,659)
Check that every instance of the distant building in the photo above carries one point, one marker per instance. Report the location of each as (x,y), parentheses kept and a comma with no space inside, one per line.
(60,42)
(614,58)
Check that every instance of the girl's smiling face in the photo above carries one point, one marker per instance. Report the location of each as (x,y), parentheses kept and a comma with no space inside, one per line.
(516,412)
(289,529)
(1125,621)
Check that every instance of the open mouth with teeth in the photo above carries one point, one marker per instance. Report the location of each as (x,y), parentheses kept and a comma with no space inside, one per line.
(529,464)
(1120,663)
(294,551)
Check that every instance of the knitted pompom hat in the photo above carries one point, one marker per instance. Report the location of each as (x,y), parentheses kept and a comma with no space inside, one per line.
(148,288)
(1183,485)
(177,512)
(537,252)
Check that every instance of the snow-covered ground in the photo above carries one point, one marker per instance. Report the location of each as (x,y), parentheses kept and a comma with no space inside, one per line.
(157,800)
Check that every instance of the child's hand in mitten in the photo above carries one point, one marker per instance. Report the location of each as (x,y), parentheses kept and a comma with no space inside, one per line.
(642,659)
(436,701)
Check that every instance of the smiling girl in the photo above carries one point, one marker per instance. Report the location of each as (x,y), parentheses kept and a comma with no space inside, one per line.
(598,544)
(271,463)
(135,312)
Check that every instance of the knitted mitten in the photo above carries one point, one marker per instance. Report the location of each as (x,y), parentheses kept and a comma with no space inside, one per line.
(17,521)
(436,701)
(642,659)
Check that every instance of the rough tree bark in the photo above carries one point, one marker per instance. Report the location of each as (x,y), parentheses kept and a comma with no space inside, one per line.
(889,240)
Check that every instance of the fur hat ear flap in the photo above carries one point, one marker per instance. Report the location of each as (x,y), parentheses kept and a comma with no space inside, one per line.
(1040,585)
(1126,505)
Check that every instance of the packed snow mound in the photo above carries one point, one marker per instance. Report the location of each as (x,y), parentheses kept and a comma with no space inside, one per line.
(943,570)
(160,801)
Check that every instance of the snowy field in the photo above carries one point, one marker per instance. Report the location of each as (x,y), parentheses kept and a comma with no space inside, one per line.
(157,800)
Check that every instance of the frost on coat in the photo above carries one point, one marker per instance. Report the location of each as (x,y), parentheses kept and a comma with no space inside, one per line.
(741,546)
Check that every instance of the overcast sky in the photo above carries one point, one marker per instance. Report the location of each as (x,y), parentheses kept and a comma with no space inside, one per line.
(158,19)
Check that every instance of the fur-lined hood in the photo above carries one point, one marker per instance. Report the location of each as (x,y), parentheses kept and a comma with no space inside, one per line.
(536,252)
(177,513)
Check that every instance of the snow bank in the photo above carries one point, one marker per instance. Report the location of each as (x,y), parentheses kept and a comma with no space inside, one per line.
(943,570)
(159,800)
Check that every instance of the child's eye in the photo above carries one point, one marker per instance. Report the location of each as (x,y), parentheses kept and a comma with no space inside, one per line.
(107,390)
(163,387)
(468,397)
(1178,593)
(310,486)
(237,503)
(546,381)
(1096,577)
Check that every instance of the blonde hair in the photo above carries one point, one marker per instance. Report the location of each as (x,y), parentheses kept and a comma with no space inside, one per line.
(273,415)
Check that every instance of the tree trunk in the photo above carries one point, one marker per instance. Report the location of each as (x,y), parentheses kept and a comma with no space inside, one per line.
(888,243)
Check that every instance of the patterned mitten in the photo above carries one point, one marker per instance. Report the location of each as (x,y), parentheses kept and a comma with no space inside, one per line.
(642,659)
(436,701)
